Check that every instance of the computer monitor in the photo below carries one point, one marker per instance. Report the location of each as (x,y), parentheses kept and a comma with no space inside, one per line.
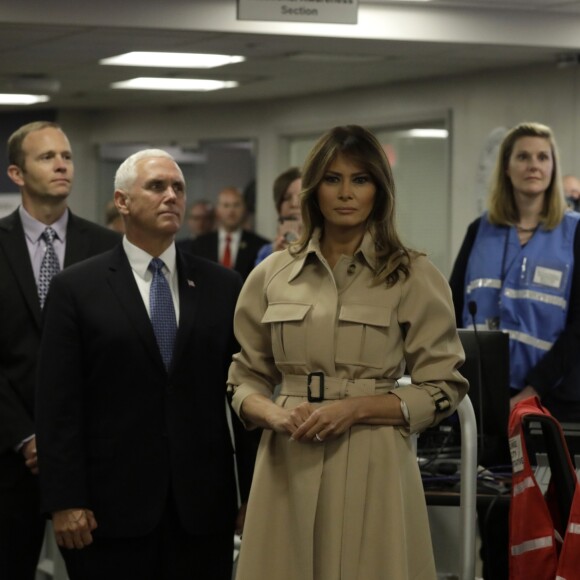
(486,365)
(486,368)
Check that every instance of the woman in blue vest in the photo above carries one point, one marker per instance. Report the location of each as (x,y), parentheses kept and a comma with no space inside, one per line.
(516,271)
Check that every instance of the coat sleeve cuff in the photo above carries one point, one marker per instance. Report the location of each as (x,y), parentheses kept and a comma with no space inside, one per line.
(426,405)
(240,392)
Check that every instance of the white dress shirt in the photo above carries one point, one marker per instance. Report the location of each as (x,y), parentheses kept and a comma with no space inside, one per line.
(33,230)
(140,260)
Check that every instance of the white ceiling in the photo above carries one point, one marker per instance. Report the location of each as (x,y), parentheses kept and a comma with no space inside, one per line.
(44,45)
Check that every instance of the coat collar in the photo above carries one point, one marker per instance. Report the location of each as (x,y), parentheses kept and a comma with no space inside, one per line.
(122,282)
(364,253)
(13,242)
(77,241)
(188,306)
(120,278)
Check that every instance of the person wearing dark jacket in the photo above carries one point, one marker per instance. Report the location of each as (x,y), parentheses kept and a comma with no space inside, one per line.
(517,266)
(41,237)
(516,271)
(230,245)
(136,458)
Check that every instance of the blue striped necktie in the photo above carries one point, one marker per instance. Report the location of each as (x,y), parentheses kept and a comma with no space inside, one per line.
(162,311)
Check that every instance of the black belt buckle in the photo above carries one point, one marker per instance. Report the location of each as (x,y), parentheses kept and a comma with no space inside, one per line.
(311,397)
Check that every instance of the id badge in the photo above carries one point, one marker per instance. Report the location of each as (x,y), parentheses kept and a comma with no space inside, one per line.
(545,274)
(548,277)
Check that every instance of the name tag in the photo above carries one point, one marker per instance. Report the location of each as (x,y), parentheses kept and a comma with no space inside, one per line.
(517,453)
(548,277)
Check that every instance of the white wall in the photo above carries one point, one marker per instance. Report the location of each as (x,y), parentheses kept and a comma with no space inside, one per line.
(477,103)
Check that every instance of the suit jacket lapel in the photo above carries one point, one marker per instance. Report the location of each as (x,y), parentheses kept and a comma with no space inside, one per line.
(122,282)
(188,303)
(14,243)
(77,243)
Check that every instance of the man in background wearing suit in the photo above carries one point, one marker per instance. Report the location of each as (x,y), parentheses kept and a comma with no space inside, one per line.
(135,456)
(230,245)
(40,237)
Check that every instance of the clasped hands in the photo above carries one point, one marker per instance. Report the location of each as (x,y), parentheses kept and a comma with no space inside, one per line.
(313,423)
(73,527)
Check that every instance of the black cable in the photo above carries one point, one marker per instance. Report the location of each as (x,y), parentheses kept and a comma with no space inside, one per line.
(438,450)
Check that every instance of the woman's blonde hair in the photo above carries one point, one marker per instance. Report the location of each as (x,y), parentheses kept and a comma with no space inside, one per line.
(502,204)
(361,147)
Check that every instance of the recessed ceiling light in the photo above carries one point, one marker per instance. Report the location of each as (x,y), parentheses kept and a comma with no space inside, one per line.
(172,59)
(163,84)
(21,99)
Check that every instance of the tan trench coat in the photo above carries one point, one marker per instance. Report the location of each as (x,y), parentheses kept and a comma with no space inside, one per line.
(352,508)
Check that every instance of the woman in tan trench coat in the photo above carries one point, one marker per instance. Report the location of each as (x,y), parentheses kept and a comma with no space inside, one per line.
(336,320)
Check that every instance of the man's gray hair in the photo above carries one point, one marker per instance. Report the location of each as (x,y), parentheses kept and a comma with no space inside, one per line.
(127,172)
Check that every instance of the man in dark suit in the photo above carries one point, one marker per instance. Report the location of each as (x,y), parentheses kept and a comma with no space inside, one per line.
(40,164)
(135,455)
(230,245)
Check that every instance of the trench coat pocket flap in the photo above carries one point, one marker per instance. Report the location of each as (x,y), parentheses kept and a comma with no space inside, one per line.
(285,312)
(365,314)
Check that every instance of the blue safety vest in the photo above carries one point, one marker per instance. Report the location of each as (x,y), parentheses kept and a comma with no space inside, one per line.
(524,291)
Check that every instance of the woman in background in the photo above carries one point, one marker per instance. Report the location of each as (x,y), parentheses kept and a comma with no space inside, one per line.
(336,319)
(516,271)
(287,200)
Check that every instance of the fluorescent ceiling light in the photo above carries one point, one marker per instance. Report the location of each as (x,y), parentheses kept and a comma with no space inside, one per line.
(172,59)
(20,99)
(429,133)
(163,84)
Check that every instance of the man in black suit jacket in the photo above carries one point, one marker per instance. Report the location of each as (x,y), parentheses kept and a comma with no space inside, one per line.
(135,455)
(42,168)
(243,245)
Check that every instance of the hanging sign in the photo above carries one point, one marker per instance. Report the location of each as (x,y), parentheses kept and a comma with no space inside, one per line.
(323,11)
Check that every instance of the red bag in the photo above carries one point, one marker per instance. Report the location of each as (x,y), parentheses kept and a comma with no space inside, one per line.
(536,548)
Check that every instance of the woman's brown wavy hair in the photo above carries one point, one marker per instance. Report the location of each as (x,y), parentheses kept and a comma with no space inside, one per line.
(359,145)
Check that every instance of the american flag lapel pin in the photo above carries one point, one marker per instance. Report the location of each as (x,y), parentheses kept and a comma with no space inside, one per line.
(191,283)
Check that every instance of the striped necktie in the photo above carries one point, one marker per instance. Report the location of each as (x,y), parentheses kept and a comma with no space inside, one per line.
(49,265)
